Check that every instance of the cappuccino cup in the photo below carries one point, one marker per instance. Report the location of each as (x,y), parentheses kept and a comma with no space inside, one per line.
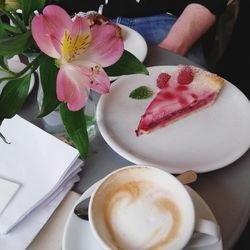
(142,207)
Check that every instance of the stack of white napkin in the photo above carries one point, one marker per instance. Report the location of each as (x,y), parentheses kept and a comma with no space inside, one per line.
(37,170)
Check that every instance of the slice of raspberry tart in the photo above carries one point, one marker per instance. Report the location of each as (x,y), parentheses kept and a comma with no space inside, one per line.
(186,91)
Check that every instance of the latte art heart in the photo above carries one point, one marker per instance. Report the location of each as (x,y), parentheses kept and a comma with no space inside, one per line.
(141,207)
(141,217)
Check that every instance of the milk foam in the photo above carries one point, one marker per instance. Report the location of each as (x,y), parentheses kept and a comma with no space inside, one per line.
(139,215)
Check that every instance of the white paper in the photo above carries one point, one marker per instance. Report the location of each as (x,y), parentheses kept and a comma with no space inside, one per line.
(38,161)
(7,191)
(21,236)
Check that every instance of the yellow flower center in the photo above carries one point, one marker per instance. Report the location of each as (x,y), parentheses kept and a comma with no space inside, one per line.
(71,47)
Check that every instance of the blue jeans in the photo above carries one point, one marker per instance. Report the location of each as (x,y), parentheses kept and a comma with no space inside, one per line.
(155,28)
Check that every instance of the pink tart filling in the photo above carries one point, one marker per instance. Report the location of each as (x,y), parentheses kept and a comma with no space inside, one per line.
(151,121)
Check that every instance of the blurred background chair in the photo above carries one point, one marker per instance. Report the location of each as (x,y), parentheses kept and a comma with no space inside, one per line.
(217,38)
(233,63)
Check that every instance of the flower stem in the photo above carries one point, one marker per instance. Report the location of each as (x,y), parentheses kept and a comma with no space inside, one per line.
(7,71)
(32,67)
(15,19)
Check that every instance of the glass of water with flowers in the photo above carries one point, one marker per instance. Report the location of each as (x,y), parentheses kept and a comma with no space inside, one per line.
(72,58)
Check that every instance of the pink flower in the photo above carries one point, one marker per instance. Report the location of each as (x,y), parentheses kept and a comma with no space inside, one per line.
(80,52)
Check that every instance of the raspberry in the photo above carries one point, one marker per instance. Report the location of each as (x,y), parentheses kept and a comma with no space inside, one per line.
(186,75)
(162,80)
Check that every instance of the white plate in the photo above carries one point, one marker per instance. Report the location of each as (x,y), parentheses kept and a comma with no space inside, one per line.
(15,65)
(204,141)
(134,43)
(77,233)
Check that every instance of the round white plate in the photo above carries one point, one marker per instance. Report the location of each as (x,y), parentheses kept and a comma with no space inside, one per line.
(77,233)
(204,141)
(134,43)
(15,65)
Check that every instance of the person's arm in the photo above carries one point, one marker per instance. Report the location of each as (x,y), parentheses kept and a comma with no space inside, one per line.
(194,21)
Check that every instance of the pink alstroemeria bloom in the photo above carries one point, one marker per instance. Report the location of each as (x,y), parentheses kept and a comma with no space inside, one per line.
(81,53)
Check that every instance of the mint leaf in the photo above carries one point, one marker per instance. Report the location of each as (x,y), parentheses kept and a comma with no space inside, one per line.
(142,92)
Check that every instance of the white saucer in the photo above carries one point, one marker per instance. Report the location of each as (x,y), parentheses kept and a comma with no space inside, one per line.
(77,234)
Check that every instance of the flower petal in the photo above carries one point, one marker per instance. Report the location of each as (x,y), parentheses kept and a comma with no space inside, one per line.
(80,25)
(106,46)
(98,78)
(77,40)
(100,82)
(49,28)
(41,35)
(72,87)
(58,20)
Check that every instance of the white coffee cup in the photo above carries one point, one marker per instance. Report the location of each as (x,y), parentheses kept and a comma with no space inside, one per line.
(143,207)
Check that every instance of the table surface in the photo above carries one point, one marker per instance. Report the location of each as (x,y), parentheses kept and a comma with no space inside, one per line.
(226,191)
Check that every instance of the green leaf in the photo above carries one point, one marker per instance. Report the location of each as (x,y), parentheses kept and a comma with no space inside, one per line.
(126,65)
(10,46)
(15,19)
(3,33)
(7,29)
(2,63)
(75,125)
(29,6)
(13,96)
(31,67)
(48,74)
(142,92)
